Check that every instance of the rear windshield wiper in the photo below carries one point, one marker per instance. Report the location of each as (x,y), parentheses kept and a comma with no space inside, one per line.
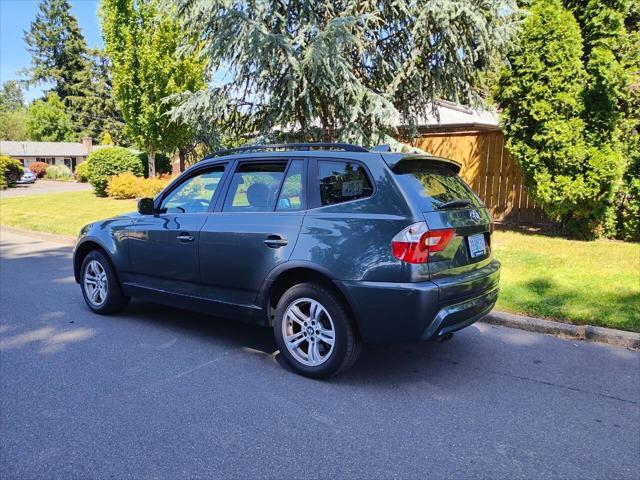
(459,203)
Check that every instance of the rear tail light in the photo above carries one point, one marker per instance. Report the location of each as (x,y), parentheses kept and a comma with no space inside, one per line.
(416,242)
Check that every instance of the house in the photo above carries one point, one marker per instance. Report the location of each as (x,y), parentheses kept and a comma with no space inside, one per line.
(53,153)
(473,138)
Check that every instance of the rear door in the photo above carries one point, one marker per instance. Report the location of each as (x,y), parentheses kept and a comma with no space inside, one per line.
(448,203)
(254,228)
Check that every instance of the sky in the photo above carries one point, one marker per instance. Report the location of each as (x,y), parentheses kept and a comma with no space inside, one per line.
(16,17)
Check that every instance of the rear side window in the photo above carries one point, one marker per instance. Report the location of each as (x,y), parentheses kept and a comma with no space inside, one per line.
(434,184)
(342,182)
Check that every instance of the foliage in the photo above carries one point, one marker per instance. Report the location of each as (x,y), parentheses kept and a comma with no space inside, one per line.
(58,172)
(627,205)
(141,41)
(108,161)
(57,46)
(11,96)
(39,169)
(48,121)
(345,69)
(127,185)
(10,171)
(92,104)
(12,112)
(163,163)
(82,172)
(106,139)
(13,125)
(549,131)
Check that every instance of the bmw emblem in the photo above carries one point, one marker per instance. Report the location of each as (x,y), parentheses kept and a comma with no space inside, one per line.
(474,215)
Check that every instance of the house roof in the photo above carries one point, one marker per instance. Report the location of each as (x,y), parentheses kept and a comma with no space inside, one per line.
(454,115)
(43,149)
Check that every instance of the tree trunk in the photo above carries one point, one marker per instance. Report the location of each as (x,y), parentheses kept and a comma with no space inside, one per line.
(183,159)
(152,164)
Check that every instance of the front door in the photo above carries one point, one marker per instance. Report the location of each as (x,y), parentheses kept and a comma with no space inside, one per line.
(163,248)
(256,229)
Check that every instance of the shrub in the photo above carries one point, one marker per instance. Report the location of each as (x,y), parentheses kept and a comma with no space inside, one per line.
(163,164)
(109,161)
(561,112)
(39,169)
(10,171)
(127,185)
(82,172)
(58,172)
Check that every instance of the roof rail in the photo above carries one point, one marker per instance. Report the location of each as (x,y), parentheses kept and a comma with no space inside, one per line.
(346,147)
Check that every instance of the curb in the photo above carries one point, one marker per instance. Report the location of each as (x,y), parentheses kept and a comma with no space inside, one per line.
(51,237)
(590,333)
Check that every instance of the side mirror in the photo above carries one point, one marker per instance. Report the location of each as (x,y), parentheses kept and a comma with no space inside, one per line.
(145,206)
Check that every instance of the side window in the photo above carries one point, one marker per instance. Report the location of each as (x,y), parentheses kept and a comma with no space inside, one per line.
(254,187)
(193,195)
(290,198)
(342,181)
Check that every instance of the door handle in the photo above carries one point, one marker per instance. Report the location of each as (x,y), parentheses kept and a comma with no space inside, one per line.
(185,237)
(275,241)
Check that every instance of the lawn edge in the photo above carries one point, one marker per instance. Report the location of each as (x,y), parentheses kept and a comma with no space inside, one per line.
(611,336)
(52,237)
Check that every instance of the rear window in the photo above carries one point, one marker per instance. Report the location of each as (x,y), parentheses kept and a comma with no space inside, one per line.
(433,184)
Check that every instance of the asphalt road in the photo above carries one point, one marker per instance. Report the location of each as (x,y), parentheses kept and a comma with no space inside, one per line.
(162,393)
(43,186)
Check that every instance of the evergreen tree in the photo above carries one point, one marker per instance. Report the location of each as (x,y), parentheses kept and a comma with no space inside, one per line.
(57,46)
(339,69)
(567,167)
(141,42)
(92,104)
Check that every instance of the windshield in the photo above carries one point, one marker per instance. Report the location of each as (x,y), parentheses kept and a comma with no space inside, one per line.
(434,185)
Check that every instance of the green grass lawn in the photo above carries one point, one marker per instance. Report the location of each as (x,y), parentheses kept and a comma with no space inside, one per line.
(62,213)
(595,283)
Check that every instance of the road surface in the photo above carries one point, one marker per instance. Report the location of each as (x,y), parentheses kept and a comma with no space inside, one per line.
(162,393)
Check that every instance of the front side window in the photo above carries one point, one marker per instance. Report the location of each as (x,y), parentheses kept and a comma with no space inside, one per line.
(342,181)
(254,187)
(194,194)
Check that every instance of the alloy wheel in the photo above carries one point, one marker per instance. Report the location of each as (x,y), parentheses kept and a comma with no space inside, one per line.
(95,283)
(309,333)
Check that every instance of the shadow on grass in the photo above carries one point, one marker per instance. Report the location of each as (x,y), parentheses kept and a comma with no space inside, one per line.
(553,301)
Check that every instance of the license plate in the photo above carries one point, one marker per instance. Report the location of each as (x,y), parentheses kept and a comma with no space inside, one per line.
(477,246)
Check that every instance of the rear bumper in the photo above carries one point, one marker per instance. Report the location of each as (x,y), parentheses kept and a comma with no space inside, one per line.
(398,312)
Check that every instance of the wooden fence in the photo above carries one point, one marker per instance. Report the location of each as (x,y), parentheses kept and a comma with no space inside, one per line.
(488,167)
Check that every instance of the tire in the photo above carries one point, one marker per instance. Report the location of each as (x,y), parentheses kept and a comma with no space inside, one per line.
(108,300)
(297,309)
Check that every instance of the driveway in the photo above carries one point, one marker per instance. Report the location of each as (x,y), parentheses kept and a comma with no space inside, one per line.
(43,186)
(157,392)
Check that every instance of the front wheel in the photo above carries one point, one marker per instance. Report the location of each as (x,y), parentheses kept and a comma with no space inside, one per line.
(100,286)
(313,331)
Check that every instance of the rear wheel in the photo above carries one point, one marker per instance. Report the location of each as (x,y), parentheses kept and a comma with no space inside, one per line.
(313,331)
(100,286)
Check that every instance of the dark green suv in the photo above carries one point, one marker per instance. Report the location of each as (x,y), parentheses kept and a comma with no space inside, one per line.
(332,245)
